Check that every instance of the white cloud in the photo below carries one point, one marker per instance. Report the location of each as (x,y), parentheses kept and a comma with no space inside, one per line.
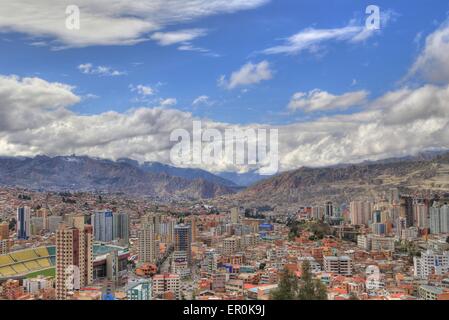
(202,100)
(248,74)
(310,39)
(89,68)
(142,90)
(317,100)
(105,22)
(34,111)
(180,36)
(433,62)
(168,102)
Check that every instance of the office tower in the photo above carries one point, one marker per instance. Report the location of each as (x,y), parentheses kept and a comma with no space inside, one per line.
(431,263)
(120,225)
(167,229)
(74,259)
(329,209)
(439,219)
(421,211)
(37,225)
(234,215)
(23,223)
(191,220)
(377,216)
(43,213)
(360,212)
(53,223)
(183,240)
(148,250)
(153,219)
(317,213)
(393,196)
(407,210)
(102,223)
(167,283)
(4,230)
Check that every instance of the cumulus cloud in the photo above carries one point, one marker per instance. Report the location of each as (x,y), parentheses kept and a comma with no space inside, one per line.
(168,102)
(105,22)
(317,100)
(433,62)
(89,68)
(34,112)
(248,74)
(142,90)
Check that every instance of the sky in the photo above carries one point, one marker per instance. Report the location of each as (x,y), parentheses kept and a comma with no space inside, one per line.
(135,71)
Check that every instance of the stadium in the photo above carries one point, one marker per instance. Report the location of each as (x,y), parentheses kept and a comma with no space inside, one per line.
(31,262)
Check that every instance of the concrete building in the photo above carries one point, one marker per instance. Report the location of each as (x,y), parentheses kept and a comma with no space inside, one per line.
(338,265)
(183,240)
(148,250)
(102,222)
(139,290)
(74,259)
(23,223)
(167,282)
(360,212)
(439,219)
(431,263)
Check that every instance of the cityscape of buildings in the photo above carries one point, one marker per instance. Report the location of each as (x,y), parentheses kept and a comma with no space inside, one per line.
(113,247)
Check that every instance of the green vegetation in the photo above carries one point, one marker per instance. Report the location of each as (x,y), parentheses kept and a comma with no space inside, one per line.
(50,272)
(318,228)
(290,288)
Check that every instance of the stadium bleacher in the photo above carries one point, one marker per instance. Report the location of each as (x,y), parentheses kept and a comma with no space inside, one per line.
(22,262)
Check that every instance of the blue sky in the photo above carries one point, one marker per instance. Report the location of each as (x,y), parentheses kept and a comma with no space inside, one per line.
(133,56)
(375,64)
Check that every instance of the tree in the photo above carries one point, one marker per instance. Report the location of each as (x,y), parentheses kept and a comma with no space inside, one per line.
(287,288)
(310,289)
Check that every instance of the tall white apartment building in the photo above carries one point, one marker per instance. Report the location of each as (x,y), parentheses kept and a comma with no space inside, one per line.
(360,212)
(431,263)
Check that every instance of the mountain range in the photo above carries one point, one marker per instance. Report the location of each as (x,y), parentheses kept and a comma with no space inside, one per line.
(82,173)
(343,183)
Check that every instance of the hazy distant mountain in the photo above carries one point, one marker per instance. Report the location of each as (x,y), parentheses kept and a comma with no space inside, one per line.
(187,173)
(243,179)
(347,182)
(91,174)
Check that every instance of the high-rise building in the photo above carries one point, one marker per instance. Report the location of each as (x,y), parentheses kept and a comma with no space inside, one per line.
(421,212)
(439,219)
(329,209)
(4,230)
(153,219)
(53,223)
(74,259)
(148,250)
(235,215)
(183,240)
(102,223)
(23,223)
(120,225)
(360,212)
(407,210)
(431,263)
